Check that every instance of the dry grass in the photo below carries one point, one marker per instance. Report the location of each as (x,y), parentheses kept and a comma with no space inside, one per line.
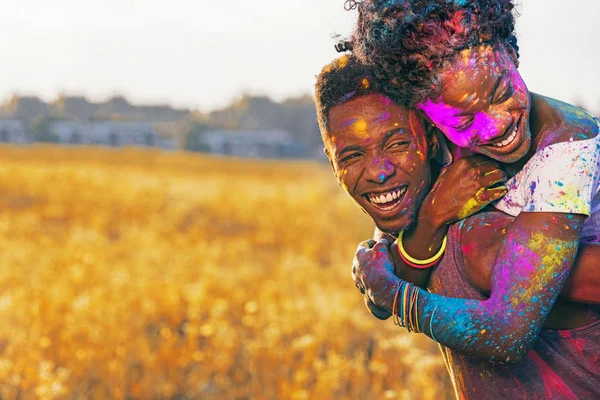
(141,275)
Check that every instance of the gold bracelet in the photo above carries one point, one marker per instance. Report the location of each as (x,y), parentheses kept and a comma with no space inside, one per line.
(413,260)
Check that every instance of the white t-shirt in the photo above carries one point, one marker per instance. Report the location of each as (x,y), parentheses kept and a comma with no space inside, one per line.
(564,178)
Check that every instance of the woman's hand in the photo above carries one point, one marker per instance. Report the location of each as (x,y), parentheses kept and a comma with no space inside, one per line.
(462,189)
(373,274)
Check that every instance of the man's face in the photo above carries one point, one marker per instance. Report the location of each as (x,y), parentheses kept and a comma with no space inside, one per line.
(379,154)
(485,104)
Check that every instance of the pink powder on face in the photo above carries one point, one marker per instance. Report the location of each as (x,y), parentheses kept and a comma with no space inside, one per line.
(446,118)
(489,119)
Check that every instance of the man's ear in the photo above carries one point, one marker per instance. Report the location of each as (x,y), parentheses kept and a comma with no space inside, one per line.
(328,154)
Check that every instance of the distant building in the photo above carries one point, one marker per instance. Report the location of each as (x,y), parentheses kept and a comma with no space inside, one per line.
(109,133)
(252,143)
(13,131)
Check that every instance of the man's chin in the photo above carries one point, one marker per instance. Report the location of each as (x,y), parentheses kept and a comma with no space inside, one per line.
(394,227)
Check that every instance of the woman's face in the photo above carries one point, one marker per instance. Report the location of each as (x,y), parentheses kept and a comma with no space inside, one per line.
(484,105)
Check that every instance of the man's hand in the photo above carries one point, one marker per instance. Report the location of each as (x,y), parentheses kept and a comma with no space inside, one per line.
(378,312)
(373,275)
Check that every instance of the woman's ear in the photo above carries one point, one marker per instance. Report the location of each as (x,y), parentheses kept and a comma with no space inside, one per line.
(428,130)
(512,53)
(432,139)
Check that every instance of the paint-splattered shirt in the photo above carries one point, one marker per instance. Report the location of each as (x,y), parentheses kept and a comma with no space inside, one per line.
(564,178)
(562,364)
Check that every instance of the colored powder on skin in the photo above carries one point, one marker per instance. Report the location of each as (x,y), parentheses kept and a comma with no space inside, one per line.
(360,128)
(349,122)
(384,117)
(472,205)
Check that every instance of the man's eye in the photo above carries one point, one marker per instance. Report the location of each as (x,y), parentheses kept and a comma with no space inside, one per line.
(350,157)
(399,144)
(505,95)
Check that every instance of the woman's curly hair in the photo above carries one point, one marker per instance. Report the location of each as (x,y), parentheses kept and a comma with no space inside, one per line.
(408,40)
(344,79)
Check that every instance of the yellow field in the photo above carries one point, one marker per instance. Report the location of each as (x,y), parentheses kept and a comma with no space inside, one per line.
(147,275)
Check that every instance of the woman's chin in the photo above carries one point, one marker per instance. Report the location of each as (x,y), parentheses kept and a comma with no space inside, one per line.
(508,158)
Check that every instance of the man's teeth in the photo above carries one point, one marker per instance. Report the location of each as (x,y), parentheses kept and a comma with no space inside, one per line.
(387,197)
(508,140)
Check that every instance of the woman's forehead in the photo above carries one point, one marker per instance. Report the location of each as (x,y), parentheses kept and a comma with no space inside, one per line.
(473,73)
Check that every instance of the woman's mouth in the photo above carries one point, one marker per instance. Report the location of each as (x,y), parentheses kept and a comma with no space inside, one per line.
(387,201)
(509,142)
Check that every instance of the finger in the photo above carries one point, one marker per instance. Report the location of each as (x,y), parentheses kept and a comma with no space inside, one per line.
(485,164)
(494,177)
(479,159)
(379,312)
(496,193)
(360,287)
(381,244)
(365,245)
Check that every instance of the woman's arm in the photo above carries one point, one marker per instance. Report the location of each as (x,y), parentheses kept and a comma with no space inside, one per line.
(463,188)
(532,266)
(481,237)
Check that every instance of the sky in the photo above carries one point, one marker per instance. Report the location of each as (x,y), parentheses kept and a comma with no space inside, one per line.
(202,54)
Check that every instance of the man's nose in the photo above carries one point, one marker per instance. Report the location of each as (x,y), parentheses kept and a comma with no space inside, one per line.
(380,169)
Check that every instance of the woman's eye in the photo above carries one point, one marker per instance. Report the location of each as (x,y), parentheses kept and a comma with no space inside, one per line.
(505,95)
(466,124)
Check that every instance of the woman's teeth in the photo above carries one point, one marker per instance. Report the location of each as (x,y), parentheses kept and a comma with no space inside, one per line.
(508,140)
(386,198)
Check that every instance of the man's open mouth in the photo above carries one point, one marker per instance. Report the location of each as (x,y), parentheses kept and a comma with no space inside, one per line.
(386,201)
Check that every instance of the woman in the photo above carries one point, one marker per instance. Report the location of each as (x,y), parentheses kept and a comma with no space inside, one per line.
(376,146)
(457,62)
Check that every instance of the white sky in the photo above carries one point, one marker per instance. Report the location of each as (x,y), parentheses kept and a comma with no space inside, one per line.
(203,53)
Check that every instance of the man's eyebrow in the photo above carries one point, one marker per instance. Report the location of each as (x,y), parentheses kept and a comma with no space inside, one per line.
(392,133)
(353,147)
